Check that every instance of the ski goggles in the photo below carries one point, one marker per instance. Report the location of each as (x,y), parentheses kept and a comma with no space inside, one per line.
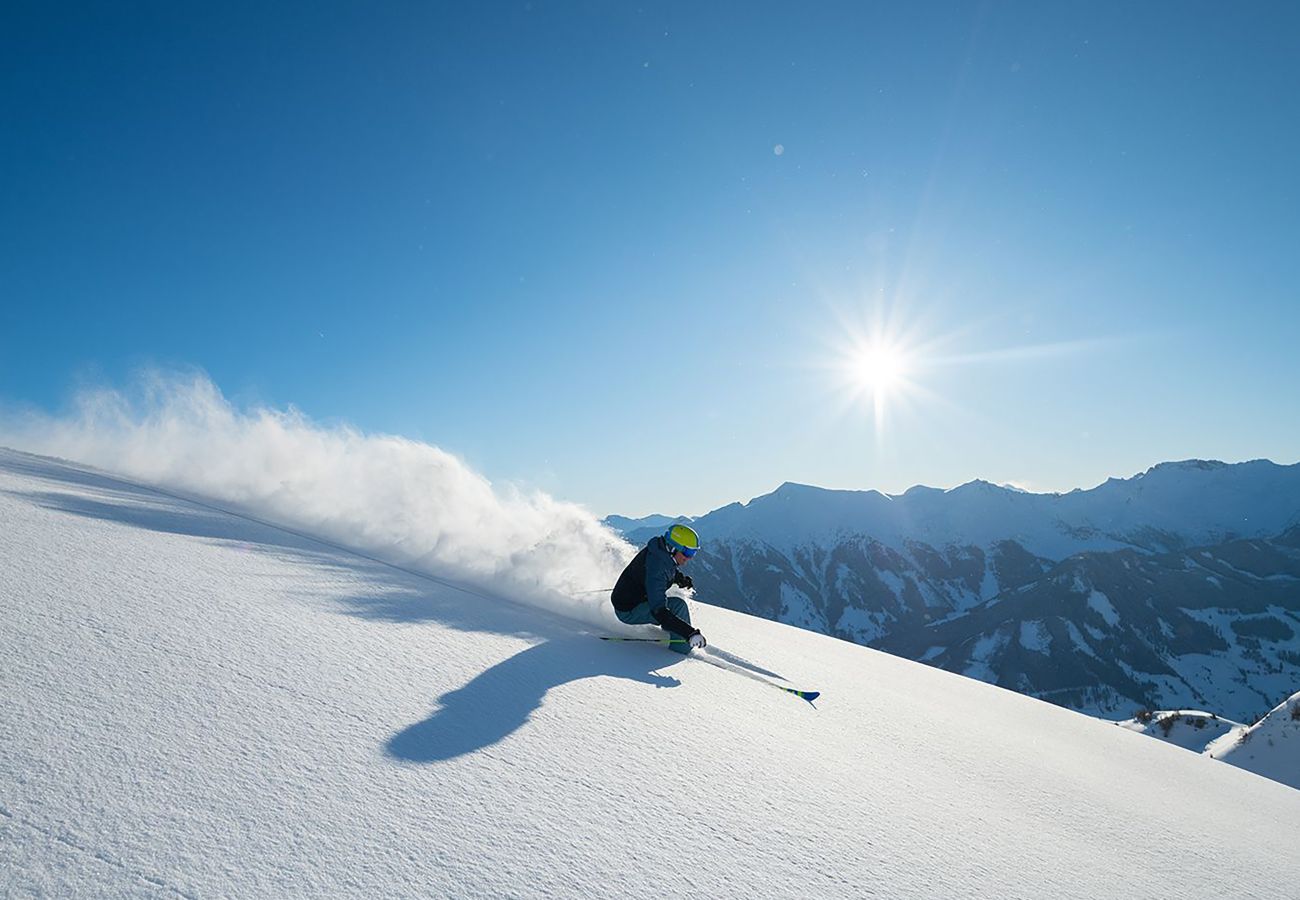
(680,537)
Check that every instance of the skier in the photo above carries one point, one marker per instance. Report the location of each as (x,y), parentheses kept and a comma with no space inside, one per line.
(638,595)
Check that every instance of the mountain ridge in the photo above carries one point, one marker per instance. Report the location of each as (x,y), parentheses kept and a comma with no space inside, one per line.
(1049,524)
(952,577)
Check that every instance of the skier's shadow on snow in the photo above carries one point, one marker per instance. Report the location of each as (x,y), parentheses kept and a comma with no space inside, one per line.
(498,701)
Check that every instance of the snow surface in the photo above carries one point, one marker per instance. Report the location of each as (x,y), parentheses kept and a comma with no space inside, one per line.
(1225,686)
(196,704)
(1270,747)
(1101,605)
(1034,636)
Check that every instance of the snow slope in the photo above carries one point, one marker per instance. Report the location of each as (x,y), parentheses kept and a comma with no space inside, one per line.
(199,705)
(1270,747)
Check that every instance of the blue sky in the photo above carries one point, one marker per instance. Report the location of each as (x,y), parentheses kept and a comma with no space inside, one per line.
(624,253)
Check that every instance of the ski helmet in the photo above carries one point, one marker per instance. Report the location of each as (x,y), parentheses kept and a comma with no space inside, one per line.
(682,539)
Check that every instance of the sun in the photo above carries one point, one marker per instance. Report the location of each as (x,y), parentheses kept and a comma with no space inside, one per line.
(877,362)
(880,368)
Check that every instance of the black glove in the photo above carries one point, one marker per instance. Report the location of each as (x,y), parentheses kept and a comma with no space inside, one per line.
(682,580)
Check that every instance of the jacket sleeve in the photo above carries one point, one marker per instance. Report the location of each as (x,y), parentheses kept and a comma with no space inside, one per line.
(659,572)
(664,616)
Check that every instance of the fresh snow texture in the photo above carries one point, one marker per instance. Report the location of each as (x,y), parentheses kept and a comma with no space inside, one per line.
(199,705)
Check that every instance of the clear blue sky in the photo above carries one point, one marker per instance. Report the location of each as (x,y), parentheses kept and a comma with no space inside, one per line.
(618,251)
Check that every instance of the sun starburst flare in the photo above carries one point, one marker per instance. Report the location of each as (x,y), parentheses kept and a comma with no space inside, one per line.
(877,372)
(887,363)
(880,368)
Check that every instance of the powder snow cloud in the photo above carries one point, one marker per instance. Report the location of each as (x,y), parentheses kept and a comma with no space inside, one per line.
(399,500)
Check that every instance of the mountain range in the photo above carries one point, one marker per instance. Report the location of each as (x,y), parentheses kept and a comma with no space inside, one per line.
(1178,587)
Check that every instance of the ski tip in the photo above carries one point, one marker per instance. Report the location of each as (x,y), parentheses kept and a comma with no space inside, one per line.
(810,696)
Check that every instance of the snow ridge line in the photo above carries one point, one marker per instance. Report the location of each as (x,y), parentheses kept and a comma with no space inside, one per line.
(99,855)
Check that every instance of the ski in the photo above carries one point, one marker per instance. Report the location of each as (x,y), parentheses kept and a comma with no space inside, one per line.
(809,696)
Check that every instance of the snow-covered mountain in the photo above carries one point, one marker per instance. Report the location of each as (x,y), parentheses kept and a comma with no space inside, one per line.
(1169,507)
(1178,587)
(1270,747)
(195,703)
(1212,627)
(656,522)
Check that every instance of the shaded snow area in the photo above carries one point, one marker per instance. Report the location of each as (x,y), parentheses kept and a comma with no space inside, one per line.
(798,610)
(1270,747)
(1248,674)
(1101,605)
(1035,636)
(985,648)
(198,705)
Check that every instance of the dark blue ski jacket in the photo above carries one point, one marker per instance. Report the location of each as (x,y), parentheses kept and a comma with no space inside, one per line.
(646,580)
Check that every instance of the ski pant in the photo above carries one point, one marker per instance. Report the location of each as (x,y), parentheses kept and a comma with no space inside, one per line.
(640,615)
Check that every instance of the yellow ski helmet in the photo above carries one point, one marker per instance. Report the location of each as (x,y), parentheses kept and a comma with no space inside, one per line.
(682,539)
